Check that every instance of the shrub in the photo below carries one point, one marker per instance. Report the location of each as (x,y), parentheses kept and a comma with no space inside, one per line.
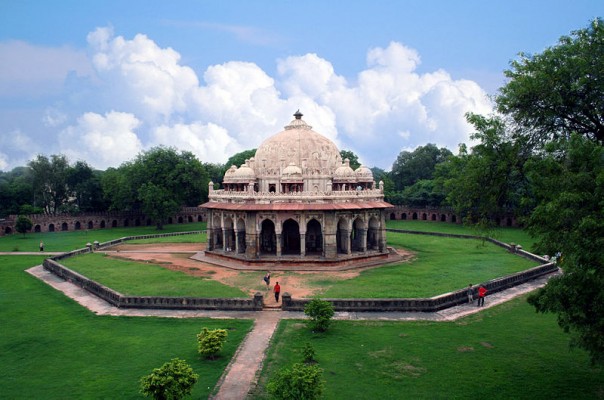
(320,313)
(210,342)
(174,380)
(309,354)
(301,382)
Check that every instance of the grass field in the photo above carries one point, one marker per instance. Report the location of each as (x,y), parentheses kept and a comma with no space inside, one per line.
(71,240)
(151,280)
(505,352)
(52,348)
(441,265)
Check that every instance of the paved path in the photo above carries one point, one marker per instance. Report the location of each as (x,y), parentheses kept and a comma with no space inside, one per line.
(241,374)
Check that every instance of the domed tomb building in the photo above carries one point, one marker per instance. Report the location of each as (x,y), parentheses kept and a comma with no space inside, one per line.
(297,201)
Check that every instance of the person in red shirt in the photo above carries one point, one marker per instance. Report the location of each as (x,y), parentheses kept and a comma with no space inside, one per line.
(482,292)
(277,290)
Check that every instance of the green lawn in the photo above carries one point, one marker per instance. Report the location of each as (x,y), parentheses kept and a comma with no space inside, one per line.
(52,348)
(506,235)
(506,352)
(71,240)
(441,265)
(151,279)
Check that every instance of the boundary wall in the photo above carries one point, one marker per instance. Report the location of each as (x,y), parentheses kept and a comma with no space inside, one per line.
(432,304)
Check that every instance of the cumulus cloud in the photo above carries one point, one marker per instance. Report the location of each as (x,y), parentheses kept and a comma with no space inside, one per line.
(234,106)
(102,140)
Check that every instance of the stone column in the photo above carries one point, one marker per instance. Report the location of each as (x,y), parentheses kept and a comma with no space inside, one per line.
(302,244)
(363,239)
(237,236)
(225,237)
(278,244)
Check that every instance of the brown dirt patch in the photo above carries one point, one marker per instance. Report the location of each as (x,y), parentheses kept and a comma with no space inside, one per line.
(175,256)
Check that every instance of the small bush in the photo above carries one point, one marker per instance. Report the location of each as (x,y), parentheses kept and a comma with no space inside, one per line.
(301,382)
(320,313)
(308,352)
(174,380)
(210,342)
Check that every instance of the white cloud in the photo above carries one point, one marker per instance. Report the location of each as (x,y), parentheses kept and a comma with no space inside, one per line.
(209,142)
(102,140)
(236,105)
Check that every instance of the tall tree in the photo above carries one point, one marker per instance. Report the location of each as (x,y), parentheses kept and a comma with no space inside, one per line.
(419,164)
(50,181)
(561,90)
(556,99)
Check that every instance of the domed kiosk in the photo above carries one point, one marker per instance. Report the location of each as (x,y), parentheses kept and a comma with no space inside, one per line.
(297,203)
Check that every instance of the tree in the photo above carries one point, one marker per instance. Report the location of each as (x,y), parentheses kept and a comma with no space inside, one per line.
(159,182)
(569,186)
(172,381)
(210,342)
(559,91)
(50,181)
(488,183)
(301,382)
(239,159)
(353,158)
(23,224)
(419,164)
(556,100)
(320,313)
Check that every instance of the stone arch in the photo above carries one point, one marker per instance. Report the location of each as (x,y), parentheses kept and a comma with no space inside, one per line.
(90,225)
(392,216)
(229,234)
(8,230)
(358,235)
(216,233)
(77,226)
(343,236)
(404,216)
(37,229)
(424,216)
(64,226)
(126,222)
(314,237)
(433,217)
(443,218)
(290,237)
(51,227)
(180,220)
(114,223)
(454,219)
(241,246)
(199,218)
(102,224)
(268,237)
(414,216)
(189,219)
(373,234)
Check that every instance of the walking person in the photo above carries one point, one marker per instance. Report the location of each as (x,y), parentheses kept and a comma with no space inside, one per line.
(277,290)
(470,294)
(482,292)
(41,246)
(267,279)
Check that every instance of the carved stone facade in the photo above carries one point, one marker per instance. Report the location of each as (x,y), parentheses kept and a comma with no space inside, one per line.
(297,201)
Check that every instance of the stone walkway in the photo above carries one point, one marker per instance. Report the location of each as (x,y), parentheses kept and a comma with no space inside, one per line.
(241,374)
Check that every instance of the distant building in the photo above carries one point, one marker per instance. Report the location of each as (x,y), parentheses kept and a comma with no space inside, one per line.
(297,201)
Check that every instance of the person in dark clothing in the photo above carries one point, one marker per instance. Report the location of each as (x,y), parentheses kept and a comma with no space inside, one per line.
(267,279)
(277,290)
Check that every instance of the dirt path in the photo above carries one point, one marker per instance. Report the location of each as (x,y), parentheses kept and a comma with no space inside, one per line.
(176,256)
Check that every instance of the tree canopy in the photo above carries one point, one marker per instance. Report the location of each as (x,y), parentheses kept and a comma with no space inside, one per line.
(559,91)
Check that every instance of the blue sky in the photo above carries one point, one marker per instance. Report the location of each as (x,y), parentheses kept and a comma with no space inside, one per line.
(101,81)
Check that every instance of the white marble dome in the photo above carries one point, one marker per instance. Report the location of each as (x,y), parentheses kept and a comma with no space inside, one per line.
(299,145)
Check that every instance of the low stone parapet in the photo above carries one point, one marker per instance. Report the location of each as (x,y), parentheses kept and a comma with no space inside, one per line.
(432,304)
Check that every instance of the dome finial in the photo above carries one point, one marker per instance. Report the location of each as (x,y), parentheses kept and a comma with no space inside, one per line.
(298,114)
